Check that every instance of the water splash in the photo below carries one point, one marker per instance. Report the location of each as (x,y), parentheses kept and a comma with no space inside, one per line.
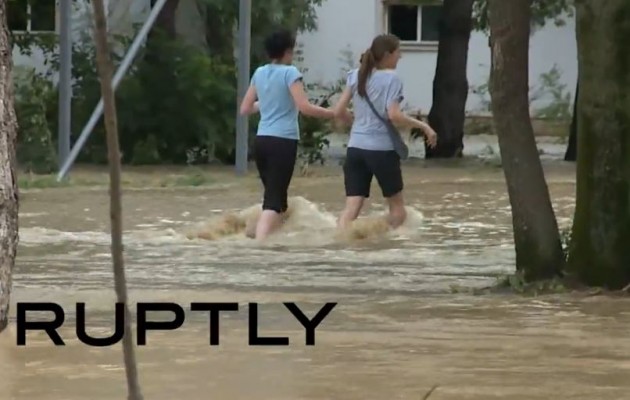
(307,224)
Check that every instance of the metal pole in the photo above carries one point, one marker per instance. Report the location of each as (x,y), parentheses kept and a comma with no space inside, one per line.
(122,70)
(242,126)
(65,80)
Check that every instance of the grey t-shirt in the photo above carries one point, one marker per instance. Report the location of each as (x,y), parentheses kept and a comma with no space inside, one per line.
(368,132)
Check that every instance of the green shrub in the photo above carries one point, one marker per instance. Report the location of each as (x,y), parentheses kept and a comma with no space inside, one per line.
(35,149)
(182,104)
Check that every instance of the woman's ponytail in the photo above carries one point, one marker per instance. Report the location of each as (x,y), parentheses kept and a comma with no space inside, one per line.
(367,65)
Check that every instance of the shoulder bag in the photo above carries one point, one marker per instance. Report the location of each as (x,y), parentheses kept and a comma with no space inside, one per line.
(399,145)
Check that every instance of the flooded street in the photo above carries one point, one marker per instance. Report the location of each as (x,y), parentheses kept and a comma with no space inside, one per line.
(396,331)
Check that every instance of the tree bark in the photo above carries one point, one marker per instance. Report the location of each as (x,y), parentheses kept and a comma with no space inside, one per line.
(219,33)
(537,240)
(9,203)
(450,84)
(571,153)
(166,20)
(164,28)
(599,253)
(105,68)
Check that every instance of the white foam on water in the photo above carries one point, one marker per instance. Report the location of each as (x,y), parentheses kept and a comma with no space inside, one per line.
(307,225)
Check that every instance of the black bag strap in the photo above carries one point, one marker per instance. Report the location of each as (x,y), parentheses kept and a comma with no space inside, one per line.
(399,145)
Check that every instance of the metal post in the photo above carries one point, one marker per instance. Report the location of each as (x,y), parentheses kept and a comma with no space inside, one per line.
(65,80)
(122,70)
(242,126)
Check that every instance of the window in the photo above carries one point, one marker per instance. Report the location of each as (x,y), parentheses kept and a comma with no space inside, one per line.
(32,15)
(415,25)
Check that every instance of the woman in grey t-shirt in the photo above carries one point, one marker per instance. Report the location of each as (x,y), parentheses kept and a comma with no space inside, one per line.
(370,149)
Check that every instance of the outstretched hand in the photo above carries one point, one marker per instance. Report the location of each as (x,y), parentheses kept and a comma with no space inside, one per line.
(346,117)
(431,136)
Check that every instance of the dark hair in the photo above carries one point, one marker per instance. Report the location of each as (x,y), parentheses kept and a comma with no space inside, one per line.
(381,45)
(277,44)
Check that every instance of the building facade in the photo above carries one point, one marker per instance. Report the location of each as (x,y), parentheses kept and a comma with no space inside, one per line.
(345,30)
(348,26)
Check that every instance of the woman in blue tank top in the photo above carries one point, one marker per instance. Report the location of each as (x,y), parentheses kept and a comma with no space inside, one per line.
(280,92)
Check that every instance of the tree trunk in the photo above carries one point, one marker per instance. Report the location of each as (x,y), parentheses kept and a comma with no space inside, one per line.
(450,85)
(537,240)
(219,32)
(571,153)
(165,22)
(601,226)
(163,29)
(105,68)
(8,183)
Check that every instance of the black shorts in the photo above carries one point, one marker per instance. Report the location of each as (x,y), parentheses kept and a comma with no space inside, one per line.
(361,165)
(275,160)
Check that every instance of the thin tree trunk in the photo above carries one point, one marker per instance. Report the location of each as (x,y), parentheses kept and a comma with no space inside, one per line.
(450,85)
(219,35)
(571,153)
(105,68)
(166,20)
(9,203)
(164,28)
(599,253)
(537,240)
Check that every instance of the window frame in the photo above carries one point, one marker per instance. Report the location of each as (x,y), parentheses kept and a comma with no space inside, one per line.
(412,45)
(29,21)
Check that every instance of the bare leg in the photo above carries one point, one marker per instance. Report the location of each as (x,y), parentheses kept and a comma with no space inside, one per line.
(277,161)
(351,211)
(252,226)
(397,212)
(268,222)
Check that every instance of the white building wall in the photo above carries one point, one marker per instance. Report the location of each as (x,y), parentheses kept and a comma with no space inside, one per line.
(122,15)
(350,25)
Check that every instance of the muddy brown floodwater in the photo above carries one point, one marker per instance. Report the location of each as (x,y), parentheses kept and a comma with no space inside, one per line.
(397,329)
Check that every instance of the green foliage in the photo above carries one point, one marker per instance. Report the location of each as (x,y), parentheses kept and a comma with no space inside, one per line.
(517,283)
(35,149)
(549,87)
(559,107)
(565,237)
(176,104)
(166,109)
(221,18)
(542,11)
(314,131)
(550,91)
(483,92)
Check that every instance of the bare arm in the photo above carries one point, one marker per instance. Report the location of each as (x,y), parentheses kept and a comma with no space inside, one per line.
(341,108)
(398,117)
(343,103)
(249,105)
(305,107)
